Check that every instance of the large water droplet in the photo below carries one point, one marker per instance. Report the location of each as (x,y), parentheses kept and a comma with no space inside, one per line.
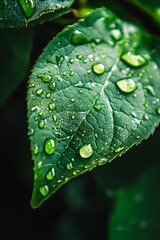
(98,68)
(126,85)
(45,78)
(86,151)
(50,174)
(49,146)
(133,59)
(44,190)
(29,7)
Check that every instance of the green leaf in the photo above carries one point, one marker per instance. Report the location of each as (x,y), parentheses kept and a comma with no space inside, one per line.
(20,13)
(93,94)
(137,209)
(15,49)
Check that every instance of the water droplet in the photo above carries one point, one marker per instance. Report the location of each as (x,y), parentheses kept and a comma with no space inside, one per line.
(119,149)
(126,85)
(30,131)
(59,60)
(79,56)
(71,60)
(35,150)
(44,190)
(52,86)
(72,100)
(49,146)
(158,110)
(31,85)
(45,78)
(133,59)
(51,106)
(69,166)
(39,165)
(29,7)
(116,34)
(41,124)
(86,151)
(39,91)
(79,37)
(98,68)
(50,174)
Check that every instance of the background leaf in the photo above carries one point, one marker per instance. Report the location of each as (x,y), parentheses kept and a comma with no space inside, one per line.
(137,208)
(92,95)
(15,50)
(20,13)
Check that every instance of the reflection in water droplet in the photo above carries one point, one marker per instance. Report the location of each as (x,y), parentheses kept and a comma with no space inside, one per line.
(98,68)
(49,146)
(126,85)
(45,78)
(133,59)
(29,7)
(72,100)
(44,190)
(86,151)
(50,174)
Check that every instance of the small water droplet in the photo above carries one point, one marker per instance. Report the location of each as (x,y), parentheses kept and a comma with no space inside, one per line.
(35,149)
(116,34)
(72,100)
(39,91)
(71,60)
(41,124)
(30,132)
(79,56)
(86,151)
(29,7)
(51,106)
(98,68)
(119,149)
(52,86)
(97,107)
(79,37)
(45,78)
(44,190)
(50,174)
(31,85)
(126,85)
(69,166)
(59,60)
(133,59)
(49,146)
(158,110)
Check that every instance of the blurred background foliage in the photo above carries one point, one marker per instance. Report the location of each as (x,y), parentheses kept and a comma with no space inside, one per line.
(116,201)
